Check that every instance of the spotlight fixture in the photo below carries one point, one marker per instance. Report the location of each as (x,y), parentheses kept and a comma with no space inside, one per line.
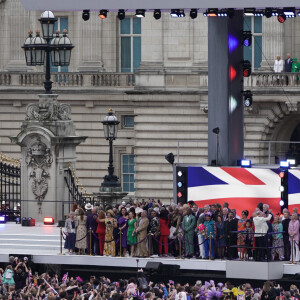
(247,38)
(157,14)
(103,14)
(170,158)
(259,13)
(211,12)
(247,98)
(222,13)
(216,130)
(140,13)
(292,161)
(289,12)
(281,202)
(177,13)
(281,17)
(86,14)
(245,163)
(121,14)
(284,165)
(193,13)
(249,12)
(48,220)
(246,68)
(268,12)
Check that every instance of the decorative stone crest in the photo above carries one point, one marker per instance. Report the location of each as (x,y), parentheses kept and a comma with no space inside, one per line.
(48,111)
(39,158)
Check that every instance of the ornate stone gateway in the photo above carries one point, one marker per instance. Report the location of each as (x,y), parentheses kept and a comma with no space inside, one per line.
(48,142)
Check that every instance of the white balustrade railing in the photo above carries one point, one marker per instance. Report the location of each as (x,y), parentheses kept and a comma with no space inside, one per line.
(123,80)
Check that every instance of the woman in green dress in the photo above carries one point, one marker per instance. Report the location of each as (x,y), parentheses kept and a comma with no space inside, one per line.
(131,233)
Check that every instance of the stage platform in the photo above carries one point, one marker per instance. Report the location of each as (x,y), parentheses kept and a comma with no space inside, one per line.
(43,244)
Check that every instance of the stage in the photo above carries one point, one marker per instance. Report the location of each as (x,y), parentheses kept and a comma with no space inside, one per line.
(42,243)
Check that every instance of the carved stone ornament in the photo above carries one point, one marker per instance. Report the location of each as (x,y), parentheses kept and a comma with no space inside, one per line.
(50,111)
(39,158)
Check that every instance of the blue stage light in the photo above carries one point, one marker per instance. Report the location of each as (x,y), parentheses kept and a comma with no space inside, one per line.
(232,43)
(246,163)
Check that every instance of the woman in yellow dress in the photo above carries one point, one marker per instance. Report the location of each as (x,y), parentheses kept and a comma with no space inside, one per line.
(110,224)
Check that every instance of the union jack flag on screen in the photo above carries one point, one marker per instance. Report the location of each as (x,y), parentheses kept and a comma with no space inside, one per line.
(294,188)
(242,188)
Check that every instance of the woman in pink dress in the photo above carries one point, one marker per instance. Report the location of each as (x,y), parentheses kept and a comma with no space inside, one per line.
(294,237)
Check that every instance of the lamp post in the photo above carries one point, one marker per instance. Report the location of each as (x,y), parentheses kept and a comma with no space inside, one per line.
(110,126)
(36,47)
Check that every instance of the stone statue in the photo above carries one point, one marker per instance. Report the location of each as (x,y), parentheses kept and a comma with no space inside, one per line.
(39,158)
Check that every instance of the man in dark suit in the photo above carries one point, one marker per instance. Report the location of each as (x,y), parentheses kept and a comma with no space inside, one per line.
(288,66)
(92,223)
(231,224)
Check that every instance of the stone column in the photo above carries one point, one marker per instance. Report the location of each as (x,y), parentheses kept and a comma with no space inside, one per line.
(48,142)
(272,42)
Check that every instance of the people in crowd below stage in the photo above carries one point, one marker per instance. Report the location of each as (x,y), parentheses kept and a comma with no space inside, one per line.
(91,223)
(141,231)
(278,249)
(188,227)
(240,237)
(131,232)
(81,232)
(70,233)
(164,230)
(123,226)
(101,231)
(294,237)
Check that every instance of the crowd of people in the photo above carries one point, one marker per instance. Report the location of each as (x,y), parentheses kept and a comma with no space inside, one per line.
(149,228)
(17,281)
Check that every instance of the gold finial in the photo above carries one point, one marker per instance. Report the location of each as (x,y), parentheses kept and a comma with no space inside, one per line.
(30,32)
(1,156)
(73,173)
(69,165)
(77,181)
(57,32)
(65,31)
(81,188)
(110,110)
(37,32)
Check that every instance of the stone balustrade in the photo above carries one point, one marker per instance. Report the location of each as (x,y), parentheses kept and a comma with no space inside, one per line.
(70,79)
(128,80)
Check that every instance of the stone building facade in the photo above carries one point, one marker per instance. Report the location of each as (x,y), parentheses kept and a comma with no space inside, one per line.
(161,103)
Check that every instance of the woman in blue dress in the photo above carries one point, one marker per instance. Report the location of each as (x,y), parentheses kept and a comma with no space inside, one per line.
(220,239)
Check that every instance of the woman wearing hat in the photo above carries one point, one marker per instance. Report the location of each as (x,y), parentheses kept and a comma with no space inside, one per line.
(110,224)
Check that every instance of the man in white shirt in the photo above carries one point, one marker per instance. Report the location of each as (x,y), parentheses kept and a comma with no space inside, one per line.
(261,229)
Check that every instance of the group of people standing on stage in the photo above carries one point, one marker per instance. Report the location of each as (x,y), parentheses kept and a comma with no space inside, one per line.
(213,231)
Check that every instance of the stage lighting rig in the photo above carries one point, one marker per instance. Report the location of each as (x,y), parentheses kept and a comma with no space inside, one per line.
(121,14)
(193,13)
(157,14)
(211,12)
(177,13)
(247,98)
(247,38)
(281,17)
(289,12)
(140,13)
(86,15)
(103,14)
(246,68)
(249,12)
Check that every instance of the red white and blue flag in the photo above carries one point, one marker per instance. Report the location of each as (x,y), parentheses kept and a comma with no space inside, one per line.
(294,188)
(242,188)
(65,277)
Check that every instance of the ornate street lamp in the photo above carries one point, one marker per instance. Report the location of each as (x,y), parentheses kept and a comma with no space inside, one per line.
(110,126)
(36,47)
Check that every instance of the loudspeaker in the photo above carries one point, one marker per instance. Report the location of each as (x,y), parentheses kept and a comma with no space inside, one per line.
(153,267)
(25,222)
